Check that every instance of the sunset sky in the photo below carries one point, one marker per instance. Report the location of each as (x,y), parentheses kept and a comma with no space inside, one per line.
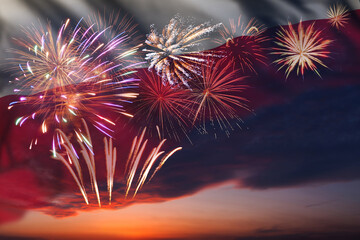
(289,169)
(324,209)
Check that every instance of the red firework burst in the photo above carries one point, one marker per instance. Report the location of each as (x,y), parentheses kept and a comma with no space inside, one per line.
(162,107)
(217,97)
(244,43)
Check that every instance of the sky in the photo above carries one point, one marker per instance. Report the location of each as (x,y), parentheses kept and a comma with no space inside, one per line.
(289,169)
(224,210)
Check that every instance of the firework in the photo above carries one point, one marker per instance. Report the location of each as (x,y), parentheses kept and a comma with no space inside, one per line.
(136,154)
(246,49)
(301,49)
(65,108)
(51,61)
(163,106)
(71,75)
(63,149)
(338,15)
(110,157)
(116,28)
(69,158)
(217,96)
(172,53)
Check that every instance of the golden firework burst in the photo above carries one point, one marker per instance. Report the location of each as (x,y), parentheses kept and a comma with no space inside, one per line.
(302,49)
(338,15)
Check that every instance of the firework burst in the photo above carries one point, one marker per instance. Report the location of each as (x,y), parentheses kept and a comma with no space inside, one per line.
(301,49)
(71,76)
(217,96)
(47,61)
(338,15)
(163,106)
(247,48)
(65,108)
(172,53)
(116,28)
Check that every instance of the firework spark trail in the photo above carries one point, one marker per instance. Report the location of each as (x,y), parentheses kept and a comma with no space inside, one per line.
(88,155)
(136,154)
(217,96)
(163,160)
(110,158)
(338,15)
(166,52)
(163,106)
(71,155)
(85,143)
(132,163)
(302,49)
(248,48)
(155,153)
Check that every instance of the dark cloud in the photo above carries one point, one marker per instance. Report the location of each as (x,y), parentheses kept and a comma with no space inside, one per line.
(318,204)
(313,138)
(19,238)
(309,139)
(308,236)
(303,132)
(268,230)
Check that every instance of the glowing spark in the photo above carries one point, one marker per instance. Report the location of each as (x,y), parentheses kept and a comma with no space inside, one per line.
(31,144)
(18,121)
(43,127)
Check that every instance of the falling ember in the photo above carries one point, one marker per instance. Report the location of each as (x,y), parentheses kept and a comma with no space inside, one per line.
(245,42)
(301,49)
(338,15)
(172,53)
(217,97)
